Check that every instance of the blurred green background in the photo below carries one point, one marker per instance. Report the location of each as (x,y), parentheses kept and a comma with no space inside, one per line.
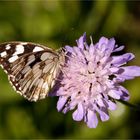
(55,24)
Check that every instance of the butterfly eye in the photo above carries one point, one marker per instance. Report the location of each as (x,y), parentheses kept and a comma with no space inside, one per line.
(32,69)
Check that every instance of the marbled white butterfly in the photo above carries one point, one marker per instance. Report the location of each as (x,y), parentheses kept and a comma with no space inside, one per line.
(32,68)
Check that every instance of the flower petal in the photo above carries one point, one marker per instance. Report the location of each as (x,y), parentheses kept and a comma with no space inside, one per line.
(104,116)
(114,94)
(110,45)
(100,102)
(111,105)
(78,113)
(128,72)
(125,94)
(103,40)
(66,109)
(61,102)
(69,49)
(114,69)
(92,119)
(122,59)
(81,41)
(117,49)
(102,112)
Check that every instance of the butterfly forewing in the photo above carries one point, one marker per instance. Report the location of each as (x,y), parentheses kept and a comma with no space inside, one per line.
(32,69)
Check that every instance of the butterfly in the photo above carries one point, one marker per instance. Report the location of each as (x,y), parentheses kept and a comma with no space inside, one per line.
(32,68)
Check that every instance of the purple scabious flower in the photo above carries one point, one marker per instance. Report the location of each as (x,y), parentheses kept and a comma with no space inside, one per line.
(91,80)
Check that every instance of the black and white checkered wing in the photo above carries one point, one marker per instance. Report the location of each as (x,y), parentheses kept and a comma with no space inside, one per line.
(31,68)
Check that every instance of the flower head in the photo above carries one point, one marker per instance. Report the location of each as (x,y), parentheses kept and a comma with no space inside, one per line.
(91,80)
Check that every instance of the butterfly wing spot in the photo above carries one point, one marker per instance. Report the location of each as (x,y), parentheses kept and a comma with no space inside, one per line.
(12,59)
(46,55)
(3,54)
(30,59)
(36,49)
(8,47)
(33,63)
(19,49)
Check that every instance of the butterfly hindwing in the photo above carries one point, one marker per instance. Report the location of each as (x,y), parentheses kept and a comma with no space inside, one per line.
(31,68)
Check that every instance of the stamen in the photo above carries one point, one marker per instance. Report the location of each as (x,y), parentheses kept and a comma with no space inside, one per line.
(91,40)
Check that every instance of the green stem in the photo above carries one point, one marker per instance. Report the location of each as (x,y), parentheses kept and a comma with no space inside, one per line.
(135,107)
